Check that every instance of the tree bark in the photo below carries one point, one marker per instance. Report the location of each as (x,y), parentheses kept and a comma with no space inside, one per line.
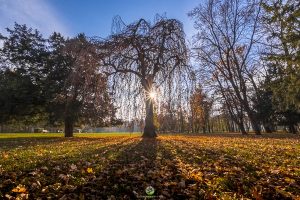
(149,130)
(69,127)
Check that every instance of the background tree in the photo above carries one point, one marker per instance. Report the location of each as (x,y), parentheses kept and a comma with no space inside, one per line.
(82,97)
(226,46)
(22,57)
(145,54)
(201,107)
(282,53)
(264,106)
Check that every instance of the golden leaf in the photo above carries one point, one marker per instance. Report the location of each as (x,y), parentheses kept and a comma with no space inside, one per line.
(89,170)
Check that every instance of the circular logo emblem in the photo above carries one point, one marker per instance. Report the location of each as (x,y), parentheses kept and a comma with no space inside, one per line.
(149,190)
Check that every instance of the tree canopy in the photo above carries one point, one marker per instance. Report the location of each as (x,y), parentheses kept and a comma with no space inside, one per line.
(149,53)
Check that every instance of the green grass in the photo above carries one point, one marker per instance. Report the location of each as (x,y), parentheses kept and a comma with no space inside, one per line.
(122,165)
(45,135)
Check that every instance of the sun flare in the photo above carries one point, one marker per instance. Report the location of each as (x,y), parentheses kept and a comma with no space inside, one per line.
(152,95)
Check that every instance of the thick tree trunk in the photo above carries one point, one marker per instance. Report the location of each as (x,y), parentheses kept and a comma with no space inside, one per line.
(149,130)
(69,127)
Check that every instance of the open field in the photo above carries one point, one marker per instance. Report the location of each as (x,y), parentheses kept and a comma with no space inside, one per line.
(101,166)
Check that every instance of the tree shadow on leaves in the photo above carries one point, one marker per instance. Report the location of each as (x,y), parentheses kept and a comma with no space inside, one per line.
(147,163)
(49,170)
(126,176)
(219,172)
(25,142)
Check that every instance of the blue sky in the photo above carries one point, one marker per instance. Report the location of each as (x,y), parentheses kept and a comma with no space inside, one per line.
(93,17)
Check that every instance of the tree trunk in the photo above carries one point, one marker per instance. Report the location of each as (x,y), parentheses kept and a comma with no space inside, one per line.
(242,128)
(269,128)
(254,122)
(256,127)
(149,130)
(69,127)
(204,129)
(292,129)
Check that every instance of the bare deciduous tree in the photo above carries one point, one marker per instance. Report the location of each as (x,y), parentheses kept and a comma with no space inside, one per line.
(226,47)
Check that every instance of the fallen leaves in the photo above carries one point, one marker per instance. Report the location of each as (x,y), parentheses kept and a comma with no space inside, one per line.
(182,167)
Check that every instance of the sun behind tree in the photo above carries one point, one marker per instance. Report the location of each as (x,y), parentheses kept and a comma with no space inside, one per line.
(151,53)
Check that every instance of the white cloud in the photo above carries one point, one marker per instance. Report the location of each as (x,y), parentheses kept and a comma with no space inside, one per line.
(37,14)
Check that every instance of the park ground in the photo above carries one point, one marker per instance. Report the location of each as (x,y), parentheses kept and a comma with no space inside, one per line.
(122,166)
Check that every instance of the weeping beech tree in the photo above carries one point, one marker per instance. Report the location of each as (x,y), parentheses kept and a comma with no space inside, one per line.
(144,56)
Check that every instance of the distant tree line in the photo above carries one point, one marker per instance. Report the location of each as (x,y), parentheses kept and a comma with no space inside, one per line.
(241,72)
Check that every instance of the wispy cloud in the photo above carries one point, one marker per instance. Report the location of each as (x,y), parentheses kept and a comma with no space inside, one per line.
(35,13)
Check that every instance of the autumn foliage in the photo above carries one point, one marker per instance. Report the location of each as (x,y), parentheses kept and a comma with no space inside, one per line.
(121,167)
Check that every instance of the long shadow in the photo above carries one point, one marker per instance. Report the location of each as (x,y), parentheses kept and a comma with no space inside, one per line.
(147,163)
(250,135)
(25,142)
(126,176)
(83,152)
(229,174)
(140,163)
(53,152)
(50,176)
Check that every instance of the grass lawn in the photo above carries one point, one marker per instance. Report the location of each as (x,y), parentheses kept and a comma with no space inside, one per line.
(122,166)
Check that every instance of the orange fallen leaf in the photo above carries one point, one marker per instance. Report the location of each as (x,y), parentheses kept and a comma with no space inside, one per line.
(19,189)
